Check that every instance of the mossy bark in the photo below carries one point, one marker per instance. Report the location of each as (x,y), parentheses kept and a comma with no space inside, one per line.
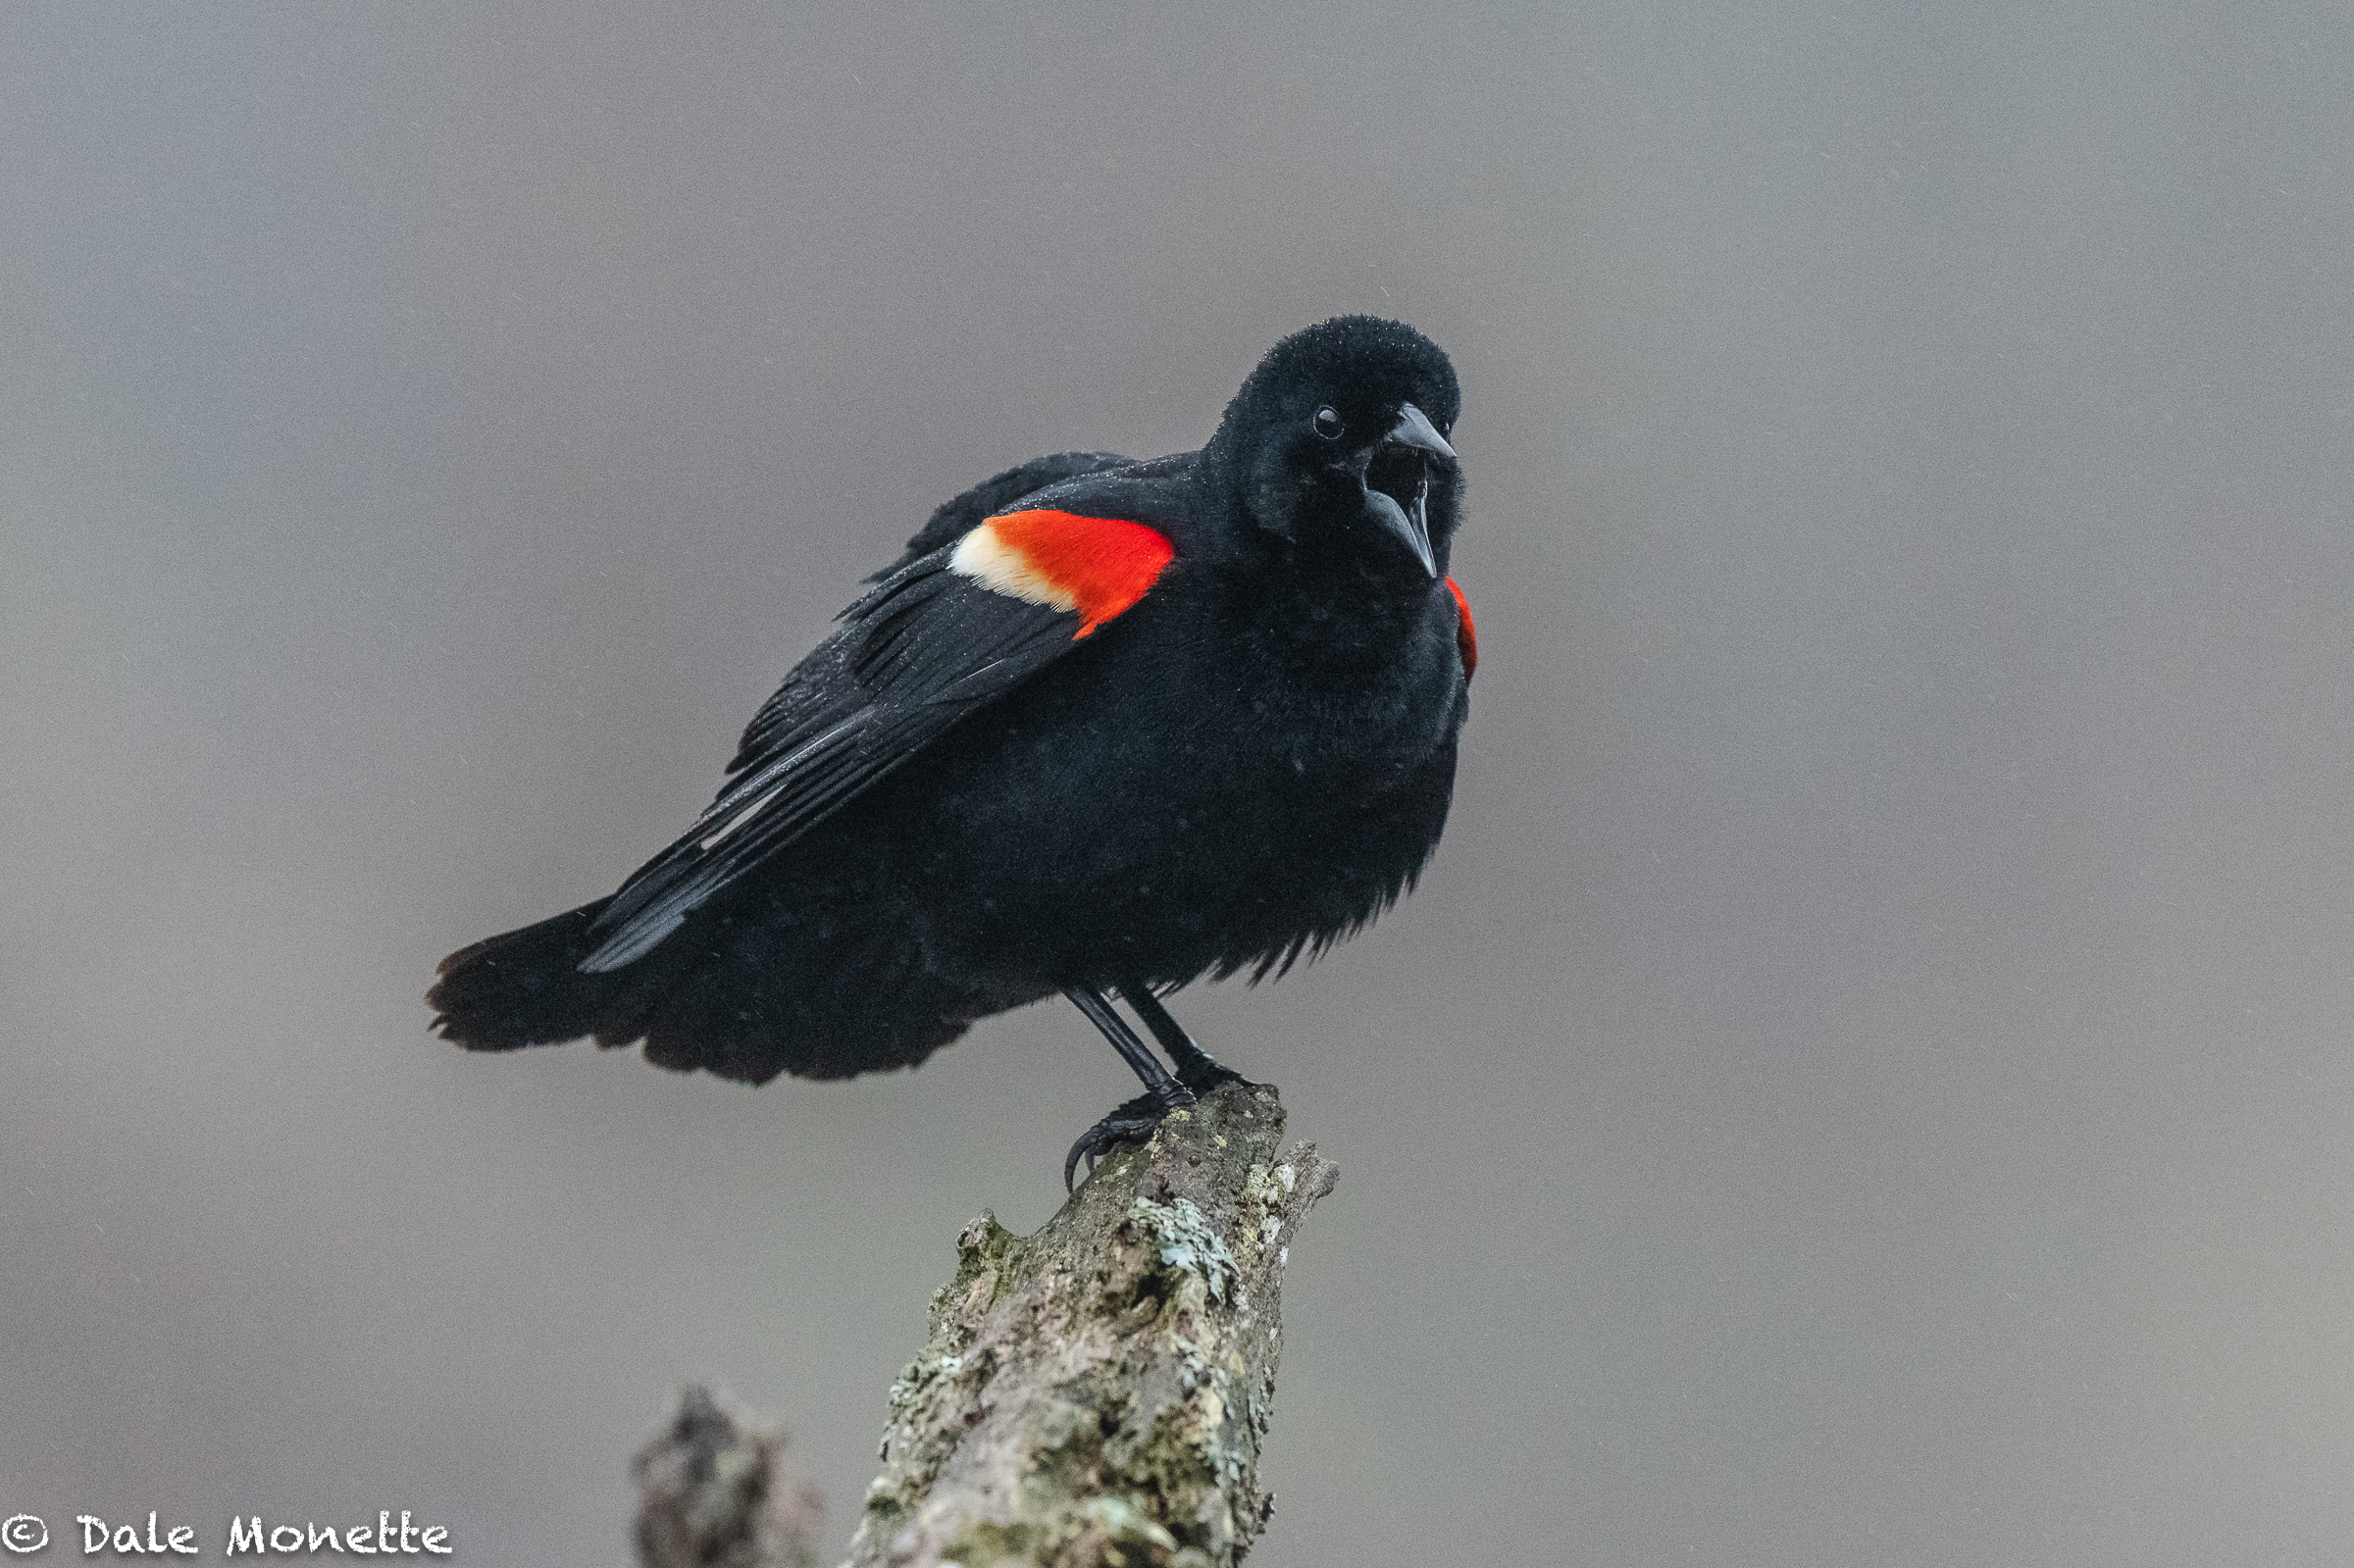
(1096,1393)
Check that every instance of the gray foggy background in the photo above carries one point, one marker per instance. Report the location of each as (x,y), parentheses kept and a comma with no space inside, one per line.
(1865,1080)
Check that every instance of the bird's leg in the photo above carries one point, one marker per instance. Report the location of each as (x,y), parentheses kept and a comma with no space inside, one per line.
(1134,1121)
(1197,1069)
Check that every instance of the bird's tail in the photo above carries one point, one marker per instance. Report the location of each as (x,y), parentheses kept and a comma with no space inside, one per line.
(744,993)
(525,988)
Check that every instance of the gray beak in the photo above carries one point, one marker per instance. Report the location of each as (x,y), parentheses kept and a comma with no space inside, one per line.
(1414,429)
(1409,518)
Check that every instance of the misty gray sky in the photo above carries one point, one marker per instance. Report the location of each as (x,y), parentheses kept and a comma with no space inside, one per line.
(1865,1080)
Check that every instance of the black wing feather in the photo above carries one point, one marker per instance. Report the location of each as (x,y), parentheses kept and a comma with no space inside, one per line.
(923,649)
(810,690)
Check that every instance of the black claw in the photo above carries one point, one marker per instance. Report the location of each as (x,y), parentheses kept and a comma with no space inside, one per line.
(1131,1122)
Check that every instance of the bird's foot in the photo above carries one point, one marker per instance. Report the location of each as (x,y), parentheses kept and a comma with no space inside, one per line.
(1202,1072)
(1131,1122)
(1210,1075)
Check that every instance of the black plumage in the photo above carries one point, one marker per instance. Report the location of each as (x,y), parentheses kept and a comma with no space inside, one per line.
(1081,758)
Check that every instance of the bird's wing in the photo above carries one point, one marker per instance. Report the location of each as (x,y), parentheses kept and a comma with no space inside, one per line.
(998,494)
(940,637)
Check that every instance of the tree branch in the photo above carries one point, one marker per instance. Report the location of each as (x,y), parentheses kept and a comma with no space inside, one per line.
(1093,1394)
(1097,1392)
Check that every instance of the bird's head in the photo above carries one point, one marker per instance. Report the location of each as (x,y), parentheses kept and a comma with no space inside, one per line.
(1338,446)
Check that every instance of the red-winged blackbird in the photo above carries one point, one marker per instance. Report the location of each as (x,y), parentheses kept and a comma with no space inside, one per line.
(1108,726)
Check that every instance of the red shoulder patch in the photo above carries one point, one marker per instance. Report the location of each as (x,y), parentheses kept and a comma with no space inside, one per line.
(1466,637)
(1098,566)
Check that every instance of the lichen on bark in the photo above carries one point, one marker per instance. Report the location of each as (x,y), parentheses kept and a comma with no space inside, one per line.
(1097,1393)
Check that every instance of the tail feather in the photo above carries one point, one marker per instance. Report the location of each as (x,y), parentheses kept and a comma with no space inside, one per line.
(525,988)
(740,992)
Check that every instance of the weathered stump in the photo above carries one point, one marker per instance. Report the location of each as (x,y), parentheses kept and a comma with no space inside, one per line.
(1096,1393)
(717,1494)
(1093,1394)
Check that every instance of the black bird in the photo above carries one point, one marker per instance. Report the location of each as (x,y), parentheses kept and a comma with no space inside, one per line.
(1109,725)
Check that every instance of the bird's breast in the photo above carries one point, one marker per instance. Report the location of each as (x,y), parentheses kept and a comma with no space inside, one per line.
(1186,799)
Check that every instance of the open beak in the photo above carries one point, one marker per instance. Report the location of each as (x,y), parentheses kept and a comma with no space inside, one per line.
(1398,481)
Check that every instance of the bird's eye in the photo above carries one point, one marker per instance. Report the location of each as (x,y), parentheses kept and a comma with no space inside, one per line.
(1328,423)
